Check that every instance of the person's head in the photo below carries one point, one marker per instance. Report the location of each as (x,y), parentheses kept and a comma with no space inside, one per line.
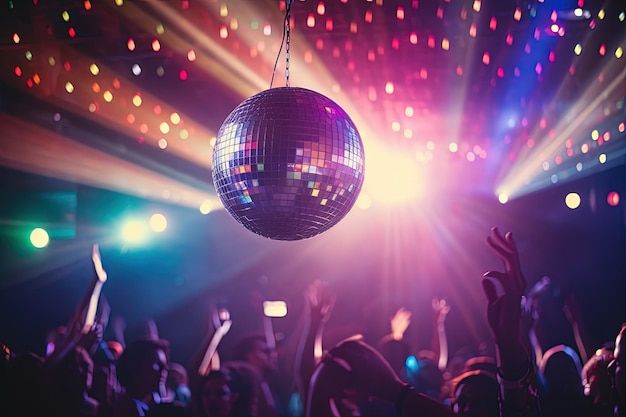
(476,395)
(142,368)
(216,396)
(176,376)
(426,376)
(395,352)
(244,383)
(560,371)
(76,372)
(596,379)
(253,350)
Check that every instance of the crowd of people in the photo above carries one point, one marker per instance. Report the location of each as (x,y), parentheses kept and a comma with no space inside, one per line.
(532,374)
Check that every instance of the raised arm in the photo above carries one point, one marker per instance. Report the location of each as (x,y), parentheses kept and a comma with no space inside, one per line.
(82,327)
(516,373)
(440,338)
(319,303)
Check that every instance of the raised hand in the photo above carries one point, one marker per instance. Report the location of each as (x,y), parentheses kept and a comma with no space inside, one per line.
(440,309)
(400,322)
(320,301)
(504,311)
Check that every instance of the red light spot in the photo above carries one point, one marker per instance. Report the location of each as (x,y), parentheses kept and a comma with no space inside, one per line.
(18,71)
(551,57)
(486,58)
(543,123)
(500,72)
(369,16)
(157,109)
(329,24)
(184,4)
(395,43)
(570,152)
(459,70)
(29,83)
(613,198)
(183,75)
(568,143)
(431,41)
(530,143)
(558,160)
(553,16)
(493,23)
(131,44)
(71,32)
(602,50)
(400,13)
(509,39)
(67,66)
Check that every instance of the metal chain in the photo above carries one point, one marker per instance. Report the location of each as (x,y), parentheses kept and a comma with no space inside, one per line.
(287,41)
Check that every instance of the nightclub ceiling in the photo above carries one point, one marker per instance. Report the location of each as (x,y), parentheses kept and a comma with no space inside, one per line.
(499,99)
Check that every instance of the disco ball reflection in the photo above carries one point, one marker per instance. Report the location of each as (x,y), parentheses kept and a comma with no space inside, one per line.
(288,163)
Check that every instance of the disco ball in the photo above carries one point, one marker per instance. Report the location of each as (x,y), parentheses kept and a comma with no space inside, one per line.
(288,163)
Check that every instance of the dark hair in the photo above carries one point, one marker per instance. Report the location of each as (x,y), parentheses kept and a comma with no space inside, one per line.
(246,345)
(132,359)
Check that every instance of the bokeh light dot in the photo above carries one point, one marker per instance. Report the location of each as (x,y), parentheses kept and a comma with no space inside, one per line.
(39,238)
(602,158)
(175,118)
(205,207)
(69,87)
(108,96)
(164,127)
(579,166)
(93,107)
(158,222)
(184,134)
(136,69)
(572,200)
(613,198)
(503,198)
(137,100)
(162,143)
(93,68)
